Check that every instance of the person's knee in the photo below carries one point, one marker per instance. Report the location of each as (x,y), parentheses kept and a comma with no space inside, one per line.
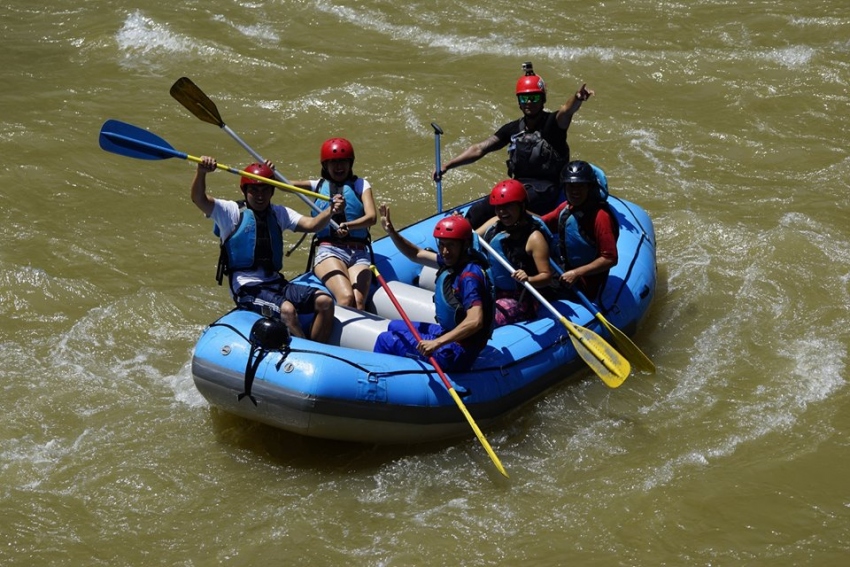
(324,302)
(346,299)
(287,311)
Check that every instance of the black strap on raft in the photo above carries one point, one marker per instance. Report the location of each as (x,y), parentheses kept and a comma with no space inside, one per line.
(254,360)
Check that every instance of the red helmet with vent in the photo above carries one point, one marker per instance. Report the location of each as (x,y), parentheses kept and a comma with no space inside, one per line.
(531,84)
(454,227)
(508,191)
(336,148)
(260,169)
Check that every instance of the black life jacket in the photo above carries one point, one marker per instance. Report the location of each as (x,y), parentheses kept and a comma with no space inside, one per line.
(530,156)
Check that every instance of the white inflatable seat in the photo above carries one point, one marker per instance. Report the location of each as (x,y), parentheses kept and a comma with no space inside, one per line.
(356,329)
(428,278)
(418,303)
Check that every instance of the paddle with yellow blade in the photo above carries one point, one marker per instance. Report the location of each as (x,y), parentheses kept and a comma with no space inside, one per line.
(198,103)
(608,364)
(629,349)
(131,141)
(440,372)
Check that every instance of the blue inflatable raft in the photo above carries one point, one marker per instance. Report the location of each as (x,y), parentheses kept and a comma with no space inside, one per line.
(342,390)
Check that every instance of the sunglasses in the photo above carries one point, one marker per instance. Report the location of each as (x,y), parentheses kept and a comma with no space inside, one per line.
(529,98)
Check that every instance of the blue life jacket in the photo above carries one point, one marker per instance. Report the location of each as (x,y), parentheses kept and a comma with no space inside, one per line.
(352,192)
(256,243)
(511,246)
(449,309)
(577,247)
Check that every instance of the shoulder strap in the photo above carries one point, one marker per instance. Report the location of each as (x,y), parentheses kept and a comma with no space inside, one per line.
(491,232)
(562,223)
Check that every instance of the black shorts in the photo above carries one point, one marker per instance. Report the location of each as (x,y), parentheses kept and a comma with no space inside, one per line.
(273,294)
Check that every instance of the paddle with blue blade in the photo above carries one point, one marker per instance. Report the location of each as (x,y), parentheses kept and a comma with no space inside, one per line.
(131,141)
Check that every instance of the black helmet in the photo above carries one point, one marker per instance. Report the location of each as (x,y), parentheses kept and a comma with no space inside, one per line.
(270,334)
(578,172)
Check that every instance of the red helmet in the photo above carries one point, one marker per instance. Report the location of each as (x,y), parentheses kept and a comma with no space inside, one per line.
(336,148)
(508,191)
(260,169)
(454,227)
(531,84)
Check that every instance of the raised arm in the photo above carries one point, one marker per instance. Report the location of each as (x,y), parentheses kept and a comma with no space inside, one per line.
(565,114)
(406,247)
(199,185)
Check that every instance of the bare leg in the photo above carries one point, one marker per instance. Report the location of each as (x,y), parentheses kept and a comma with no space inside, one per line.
(333,274)
(324,318)
(362,277)
(290,317)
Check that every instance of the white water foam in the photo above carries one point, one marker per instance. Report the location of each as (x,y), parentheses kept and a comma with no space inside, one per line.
(463,45)
(35,461)
(141,35)
(793,57)
(738,400)
(183,386)
(263,32)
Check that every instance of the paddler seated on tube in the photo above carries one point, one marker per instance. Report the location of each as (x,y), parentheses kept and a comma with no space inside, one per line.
(523,240)
(586,228)
(343,256)
(251,233)
(463,297)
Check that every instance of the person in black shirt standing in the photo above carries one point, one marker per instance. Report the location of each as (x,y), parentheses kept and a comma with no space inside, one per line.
(537,146)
